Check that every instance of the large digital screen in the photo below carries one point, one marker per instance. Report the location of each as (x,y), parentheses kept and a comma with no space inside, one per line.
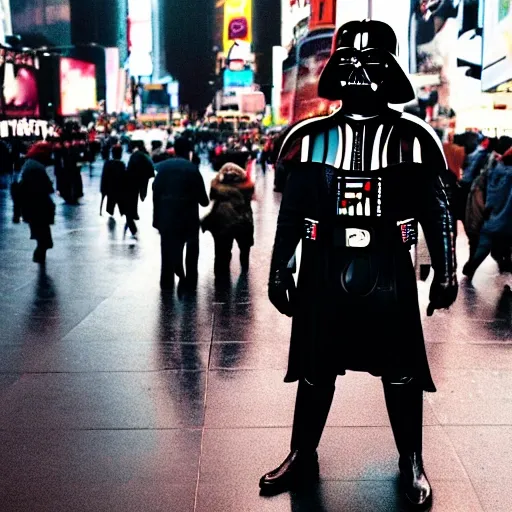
(323,14)
(140,37)
(313,55)
(112,75)
(292,12)
(20,96)
(77,86)
(446,52)
(237,22)
(289,85)
(243,78)
(497,49)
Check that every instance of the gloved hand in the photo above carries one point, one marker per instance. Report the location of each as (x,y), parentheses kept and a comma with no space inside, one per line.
(281,290)
(443,293)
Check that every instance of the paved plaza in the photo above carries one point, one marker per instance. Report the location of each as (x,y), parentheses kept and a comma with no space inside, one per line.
(116,397)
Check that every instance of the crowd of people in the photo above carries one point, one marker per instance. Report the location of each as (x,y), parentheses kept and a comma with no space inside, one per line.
(481,190)
(479,184)
(178,191)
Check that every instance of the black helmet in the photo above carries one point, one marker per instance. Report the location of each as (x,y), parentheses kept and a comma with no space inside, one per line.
(364,54)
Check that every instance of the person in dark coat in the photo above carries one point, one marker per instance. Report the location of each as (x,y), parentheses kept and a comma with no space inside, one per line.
(178,189)
(70,182)
(280,166)
(58,165)
(157,152)
(496,232)
(231,216)
(112,179)
(359,181)
(139,171)
(475,213)
(37,206)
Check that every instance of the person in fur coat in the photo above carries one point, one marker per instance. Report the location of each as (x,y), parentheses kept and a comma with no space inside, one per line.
(231,216)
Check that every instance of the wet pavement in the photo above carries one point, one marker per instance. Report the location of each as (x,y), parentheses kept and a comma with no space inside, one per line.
(117,397)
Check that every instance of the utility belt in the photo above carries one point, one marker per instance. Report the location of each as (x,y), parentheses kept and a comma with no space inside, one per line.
(363,235)
(367,212)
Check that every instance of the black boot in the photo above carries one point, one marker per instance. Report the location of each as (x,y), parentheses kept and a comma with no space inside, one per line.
(301,465)
(39,255)
(405,408)
(244,259)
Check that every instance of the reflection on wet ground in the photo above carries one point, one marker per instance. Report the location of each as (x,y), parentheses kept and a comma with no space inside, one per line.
(115,396)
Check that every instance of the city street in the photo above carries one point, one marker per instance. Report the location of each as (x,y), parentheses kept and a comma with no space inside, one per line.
(117,397)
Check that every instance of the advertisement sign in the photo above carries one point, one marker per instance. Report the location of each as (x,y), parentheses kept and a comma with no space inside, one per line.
(238,79)
(497,49)
(313,54)
(252,102)
(237,22)
(288,93)
(445,45)
(26,128)
(112,75)
(292,13)
(238,56)
(77,86)
(19,95)
(5,20)
(140,37)
(323,14)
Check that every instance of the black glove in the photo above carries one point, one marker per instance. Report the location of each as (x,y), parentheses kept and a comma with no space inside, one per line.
(281,290)
(442,294)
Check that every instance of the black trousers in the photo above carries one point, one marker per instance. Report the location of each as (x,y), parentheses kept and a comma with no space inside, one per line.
(404,402)
(130,223)
(172,247)
(42,234)
(223,248)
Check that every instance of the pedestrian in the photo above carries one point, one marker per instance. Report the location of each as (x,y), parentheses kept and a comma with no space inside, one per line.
(355,306)
(134,185)
(231,217)
(70,182)
(496,232)
(178,190)
(37,206)
(112,180)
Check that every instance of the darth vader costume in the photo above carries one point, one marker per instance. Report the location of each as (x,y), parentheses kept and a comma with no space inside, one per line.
(359,182)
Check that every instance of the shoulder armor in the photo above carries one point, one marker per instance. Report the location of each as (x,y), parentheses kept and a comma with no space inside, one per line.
(293,142)
(427,147)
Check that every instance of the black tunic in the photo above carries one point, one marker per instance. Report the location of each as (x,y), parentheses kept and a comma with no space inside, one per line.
(357,308)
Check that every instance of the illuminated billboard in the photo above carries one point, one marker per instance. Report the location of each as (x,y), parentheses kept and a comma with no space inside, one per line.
(237,22)
(5,20)
(292,13)
(20,92)
(140,37)
(243,78)
(19,84)
(323,14)
(312,55)
(497,47)
(77,86)
(445,54)
(112,75)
